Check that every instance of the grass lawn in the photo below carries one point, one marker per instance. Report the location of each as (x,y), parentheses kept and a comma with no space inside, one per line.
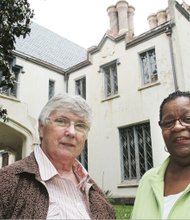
(123,211)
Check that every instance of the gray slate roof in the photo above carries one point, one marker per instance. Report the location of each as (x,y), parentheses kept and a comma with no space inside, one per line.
(50,47)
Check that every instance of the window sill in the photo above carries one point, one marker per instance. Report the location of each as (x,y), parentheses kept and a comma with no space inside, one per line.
(12,98)
(110,97)
(128,184)
(148,85)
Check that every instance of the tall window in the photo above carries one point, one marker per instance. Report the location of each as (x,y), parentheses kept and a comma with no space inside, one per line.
(5,159)
(51,88)
(83,157)
(136,151)
(80,87)
(15,71)
(149,66)
(110,79)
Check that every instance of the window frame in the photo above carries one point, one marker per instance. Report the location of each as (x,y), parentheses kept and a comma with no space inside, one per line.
(15,70)
(83,157)
(52,88)
(110,74)
(82,87)
(149,70)
(126,157)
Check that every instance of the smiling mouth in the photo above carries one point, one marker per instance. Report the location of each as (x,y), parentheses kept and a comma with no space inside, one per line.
(182,139)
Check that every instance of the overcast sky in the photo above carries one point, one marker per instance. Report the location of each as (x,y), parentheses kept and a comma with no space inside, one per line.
(86,21)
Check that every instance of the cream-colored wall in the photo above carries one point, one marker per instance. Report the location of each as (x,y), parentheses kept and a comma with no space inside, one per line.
(34,85)
(24,110)
(181,36)
(133,105)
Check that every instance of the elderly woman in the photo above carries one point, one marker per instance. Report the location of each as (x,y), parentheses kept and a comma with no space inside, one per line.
(164,191)
(51,183)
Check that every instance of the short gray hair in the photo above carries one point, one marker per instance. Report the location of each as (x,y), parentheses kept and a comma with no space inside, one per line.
(68,104)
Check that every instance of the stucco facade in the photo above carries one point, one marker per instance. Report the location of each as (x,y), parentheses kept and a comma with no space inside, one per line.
(134,103)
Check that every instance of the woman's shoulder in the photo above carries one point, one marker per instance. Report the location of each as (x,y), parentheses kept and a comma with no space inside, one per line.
(151,172)
(15,168)
(157,171)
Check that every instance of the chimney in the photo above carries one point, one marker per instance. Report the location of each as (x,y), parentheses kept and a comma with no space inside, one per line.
(152,20)
(122,9)
(131,13)
(167,14)
(112,13)
(161,17)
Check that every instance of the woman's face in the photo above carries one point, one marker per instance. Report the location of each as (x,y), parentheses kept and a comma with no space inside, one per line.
(62,137)
(177,138)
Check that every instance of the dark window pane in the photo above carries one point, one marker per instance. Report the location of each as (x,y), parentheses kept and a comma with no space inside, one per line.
(136,151)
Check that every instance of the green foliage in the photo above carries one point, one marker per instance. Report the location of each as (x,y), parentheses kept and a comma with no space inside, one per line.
(15,18)
(3,114)
(108,195)
(123,211)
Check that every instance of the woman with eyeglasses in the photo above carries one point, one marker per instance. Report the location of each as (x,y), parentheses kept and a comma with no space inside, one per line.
(164,192)
(51,183)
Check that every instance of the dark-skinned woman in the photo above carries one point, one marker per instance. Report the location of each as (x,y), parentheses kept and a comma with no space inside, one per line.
(164,192)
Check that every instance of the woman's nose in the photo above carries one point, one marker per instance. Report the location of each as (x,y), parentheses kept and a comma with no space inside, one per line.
(178,125)
(70,130)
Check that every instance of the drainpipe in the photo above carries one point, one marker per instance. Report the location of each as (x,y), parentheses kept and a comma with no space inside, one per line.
(66,79)
(169,34)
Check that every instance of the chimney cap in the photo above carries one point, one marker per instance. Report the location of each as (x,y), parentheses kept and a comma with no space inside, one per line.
(161,10)
(111,7)
(131,8)
(121,2)
(151,15)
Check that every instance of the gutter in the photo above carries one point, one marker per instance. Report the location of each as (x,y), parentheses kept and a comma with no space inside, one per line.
(39,62)
(169,34)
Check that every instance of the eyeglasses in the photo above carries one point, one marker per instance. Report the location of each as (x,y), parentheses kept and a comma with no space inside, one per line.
(65,123)
(169,124)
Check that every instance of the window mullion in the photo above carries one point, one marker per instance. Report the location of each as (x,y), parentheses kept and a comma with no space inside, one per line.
(111,80)
(136,153)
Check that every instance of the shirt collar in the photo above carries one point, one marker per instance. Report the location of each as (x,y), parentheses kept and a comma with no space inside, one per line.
(47,170)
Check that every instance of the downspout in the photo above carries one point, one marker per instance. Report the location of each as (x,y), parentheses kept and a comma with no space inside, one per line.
(66,79)
(169,34)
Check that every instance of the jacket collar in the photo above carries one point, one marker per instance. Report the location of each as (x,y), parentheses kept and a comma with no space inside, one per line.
(28,165)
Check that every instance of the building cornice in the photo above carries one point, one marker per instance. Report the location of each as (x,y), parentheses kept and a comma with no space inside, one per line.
(39,62)
(150,34)
(183,11)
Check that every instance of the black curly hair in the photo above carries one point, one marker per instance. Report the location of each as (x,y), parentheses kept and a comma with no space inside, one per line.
(173,96)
